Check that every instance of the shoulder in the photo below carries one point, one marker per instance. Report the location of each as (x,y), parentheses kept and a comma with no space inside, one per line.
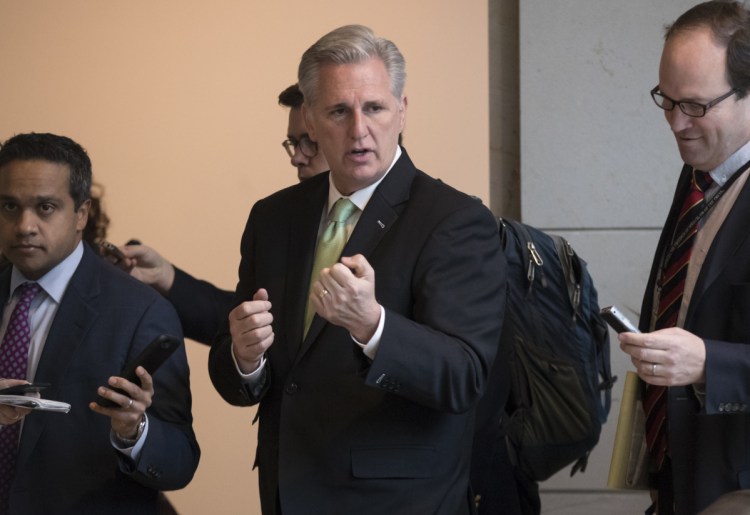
(427,193)
(440,200)
(103,282)
(293,196)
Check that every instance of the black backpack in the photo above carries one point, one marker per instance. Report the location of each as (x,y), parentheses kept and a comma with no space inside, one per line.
(558,347)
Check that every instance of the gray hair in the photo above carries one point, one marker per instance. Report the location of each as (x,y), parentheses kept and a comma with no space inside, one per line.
(350,44)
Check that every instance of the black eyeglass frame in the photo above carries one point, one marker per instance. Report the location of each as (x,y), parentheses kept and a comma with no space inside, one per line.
(307,146)
(681,103)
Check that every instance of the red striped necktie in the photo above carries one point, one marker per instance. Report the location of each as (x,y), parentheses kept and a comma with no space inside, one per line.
(672,283)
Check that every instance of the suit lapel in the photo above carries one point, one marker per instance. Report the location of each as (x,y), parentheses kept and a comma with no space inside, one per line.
(303,234)
(730,238)
(74,317)
(381,213)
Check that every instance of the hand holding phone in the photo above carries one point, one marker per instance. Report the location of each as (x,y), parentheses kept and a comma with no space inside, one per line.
(619,322)
(150,358)
(23,389)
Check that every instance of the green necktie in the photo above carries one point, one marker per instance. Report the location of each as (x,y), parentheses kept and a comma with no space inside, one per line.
(329,248)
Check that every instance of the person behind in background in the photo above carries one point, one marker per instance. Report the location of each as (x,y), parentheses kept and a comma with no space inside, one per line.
(367,373)
(301,149)
(201,306)
(694,351)
(72,321)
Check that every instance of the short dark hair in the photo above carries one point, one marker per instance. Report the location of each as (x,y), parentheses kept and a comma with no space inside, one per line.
(729,22)
(291,97)
(55,149)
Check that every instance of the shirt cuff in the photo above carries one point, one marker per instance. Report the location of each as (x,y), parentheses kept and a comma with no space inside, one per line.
(371,347)
(253,377)
(133,452)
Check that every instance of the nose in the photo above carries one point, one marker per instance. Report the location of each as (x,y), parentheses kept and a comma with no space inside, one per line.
(27,222)
(677,120)
(299,159)
(359,125)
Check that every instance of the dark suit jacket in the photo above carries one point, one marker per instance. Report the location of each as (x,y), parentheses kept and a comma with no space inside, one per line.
(66,463)
(201,306)
(341,434)
(709,444)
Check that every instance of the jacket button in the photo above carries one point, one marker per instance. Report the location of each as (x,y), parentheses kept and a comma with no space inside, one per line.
(291,388)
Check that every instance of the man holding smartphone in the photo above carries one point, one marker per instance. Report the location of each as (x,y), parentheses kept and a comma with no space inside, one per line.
(694,352)
(73,321)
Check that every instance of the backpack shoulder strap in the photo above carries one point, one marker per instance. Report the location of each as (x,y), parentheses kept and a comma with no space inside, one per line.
(529,253)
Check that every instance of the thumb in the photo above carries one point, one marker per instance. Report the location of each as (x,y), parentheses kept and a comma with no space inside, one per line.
(261,294)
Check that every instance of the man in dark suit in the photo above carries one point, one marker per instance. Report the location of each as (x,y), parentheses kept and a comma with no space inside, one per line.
(86,322)
(694,352)
(369,407)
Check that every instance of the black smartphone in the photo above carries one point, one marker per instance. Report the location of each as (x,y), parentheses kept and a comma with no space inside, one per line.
(110,249)
(150,358)
(23,389)
(617,320)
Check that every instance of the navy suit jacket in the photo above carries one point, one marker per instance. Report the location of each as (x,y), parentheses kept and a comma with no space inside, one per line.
(709,443)
(66,463)
(342,434)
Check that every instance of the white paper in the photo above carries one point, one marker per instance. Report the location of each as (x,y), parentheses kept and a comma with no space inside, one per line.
(23,401)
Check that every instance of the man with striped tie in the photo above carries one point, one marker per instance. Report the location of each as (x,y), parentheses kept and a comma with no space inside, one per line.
(694,352)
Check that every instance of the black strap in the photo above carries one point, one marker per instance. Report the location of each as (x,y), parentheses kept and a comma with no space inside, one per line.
(710,203)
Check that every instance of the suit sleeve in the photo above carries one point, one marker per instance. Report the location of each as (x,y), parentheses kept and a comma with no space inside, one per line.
(221,366)
(440,354)
(170,454)
(201,306)
(727,370)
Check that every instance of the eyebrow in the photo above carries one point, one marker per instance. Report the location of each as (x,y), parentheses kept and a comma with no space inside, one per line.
(39,199)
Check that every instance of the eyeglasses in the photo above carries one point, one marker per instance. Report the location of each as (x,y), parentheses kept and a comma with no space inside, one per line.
(307,146)
(693,109)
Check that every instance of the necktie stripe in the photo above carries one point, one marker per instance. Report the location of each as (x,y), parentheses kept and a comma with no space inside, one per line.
(672,281)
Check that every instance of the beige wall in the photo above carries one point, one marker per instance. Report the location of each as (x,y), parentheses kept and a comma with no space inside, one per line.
(176,103)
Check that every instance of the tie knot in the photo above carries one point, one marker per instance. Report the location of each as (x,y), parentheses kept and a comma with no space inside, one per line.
(27,291)
(701,180)
(342,210)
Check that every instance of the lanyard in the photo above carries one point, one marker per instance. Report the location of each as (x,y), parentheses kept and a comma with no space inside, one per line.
(709,204)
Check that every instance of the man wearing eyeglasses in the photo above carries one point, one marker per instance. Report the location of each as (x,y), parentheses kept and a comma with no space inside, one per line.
(694,352)
(200,305)
(301,149)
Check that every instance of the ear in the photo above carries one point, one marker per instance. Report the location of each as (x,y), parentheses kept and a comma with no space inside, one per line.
(402,112)
(307,116)
(82,215)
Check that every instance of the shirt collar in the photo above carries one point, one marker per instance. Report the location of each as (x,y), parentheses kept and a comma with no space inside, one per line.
(725,170)
(359,198)
(56,280)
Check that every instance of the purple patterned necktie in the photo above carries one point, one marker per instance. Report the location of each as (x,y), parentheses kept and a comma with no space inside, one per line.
(14,358)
